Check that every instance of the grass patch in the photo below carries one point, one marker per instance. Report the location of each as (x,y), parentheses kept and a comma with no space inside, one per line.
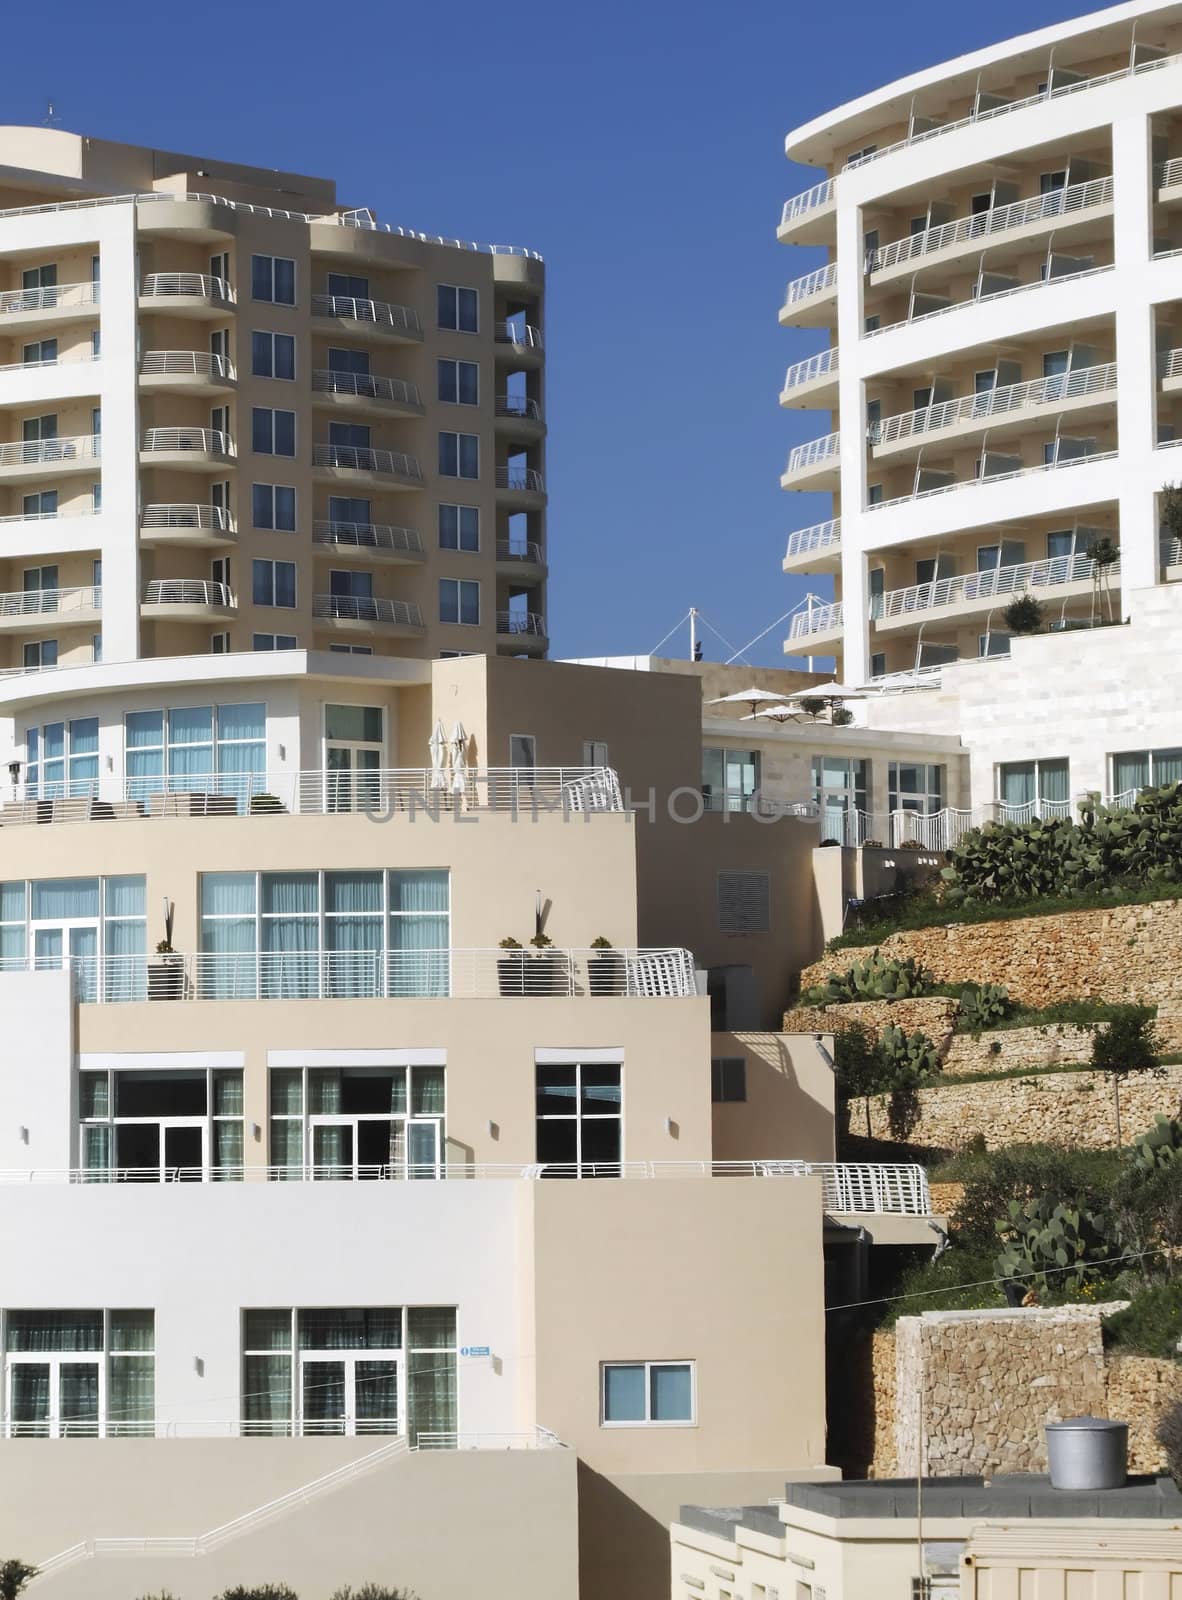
(959,1281)
(1064,1013)
(1152,1322)
(1002,1073)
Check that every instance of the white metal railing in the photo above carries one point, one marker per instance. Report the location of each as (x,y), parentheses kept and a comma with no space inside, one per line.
(518,405)
(808,454)
(816,619)
(188,515)
(535,1439)
(819,366)
(995,477)
(810,284)
(529,550)
(379,312)
(368,536)
(1168,173)
(186,363)
(998,219)
(188,286)
(819,195)
(522,337)
(984,299)
(521,622)
(366,385)
(208,441)
(934,830)
(1048,574)
(367,608)
(520,478)
(52,298)
(991,403)
(188,592)
(59,602)
(1172,365)
(1171,552)
(988,113)
(821,536)
(356,459)
(32,452)
(910,678)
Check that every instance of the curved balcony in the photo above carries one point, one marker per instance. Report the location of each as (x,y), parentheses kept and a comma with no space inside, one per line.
(814,549)
(186,294)
(975,593)
(332,463)
(359,614)
(521,633)
(368,542)
(980,299)
(814,465)
(811,217)
(374,319)
(186,372)
(519,488)
(818,625)
(63,302)
(195,449)
(68,608)
(45,458)
(1171,372)
(189,523)
(811,301)
(521,561)
(518,417)
(812,382)
(517,343)
(1063,211)
(187,600)
(1002,474)
(365,391)
(1087,390)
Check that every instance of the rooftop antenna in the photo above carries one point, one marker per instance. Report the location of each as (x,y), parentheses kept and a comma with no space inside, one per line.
(51,116)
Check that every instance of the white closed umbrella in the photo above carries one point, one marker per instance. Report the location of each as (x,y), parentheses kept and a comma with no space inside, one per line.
(459,759)
(437,745)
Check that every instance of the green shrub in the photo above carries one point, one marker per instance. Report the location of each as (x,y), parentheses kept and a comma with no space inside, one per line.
(259,1591)
(372,1591)
(1023,615)
(878,977)
(983,1005)
(961,1279)
(1082,1178)
(1045,1241)
(1127,1042)
(1151,1323)
(14,1575)
(1159,1144)
(909,1060)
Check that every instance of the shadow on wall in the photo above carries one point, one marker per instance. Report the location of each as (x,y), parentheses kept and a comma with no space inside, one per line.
(789,1104)
(623,1549)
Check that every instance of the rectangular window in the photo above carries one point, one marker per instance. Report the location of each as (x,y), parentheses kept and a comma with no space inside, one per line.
(80,1374)
(459,455)
(272,433)
(180,1125)
(1027,789)
(459,528)
(43,504)
(1135,770)
(579,1109)
(840,787)
(272,355)
(648,1394)
(916,786)
(195,749)
(459,601)
(219,644)
(273,505)
(459,383)
(728,1079)
(348,286)
(350,1123)
(272,278)
(97,924)
(40,653)
(62,758)
(273,641)
(351,649)
(458,309)
(730,779)
(595,753)
(273,583)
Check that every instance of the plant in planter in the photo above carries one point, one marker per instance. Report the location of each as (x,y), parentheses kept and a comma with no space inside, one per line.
(841,717)
(166,975)
(1023,615)
(511,968)
(1169,510)
(871,844)
(813,706)
(1103,553)
(543,975)
(262,803)
(605,972)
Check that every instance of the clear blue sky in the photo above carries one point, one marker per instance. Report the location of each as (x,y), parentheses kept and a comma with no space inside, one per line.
(639,146)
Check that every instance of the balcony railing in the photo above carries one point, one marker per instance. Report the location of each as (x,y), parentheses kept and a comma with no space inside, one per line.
(812,283)
(521,337)
(986,224)
(188,515)
(995,477)
(934,830)
(521,623)
(34,452)
(355,608)
(824,363)
(818,619)
(520,479)
(186,363)
(985,299)
(393,463)
(55,297)
(528,551)
(819,195)
(827,447)
(59,602)
(368,536)
(821,536)
(518,405)
(1172,365)
(188,592)
(991,403)
(187,286)
(367,386)
(207,441)
(400,319)
(1048,574)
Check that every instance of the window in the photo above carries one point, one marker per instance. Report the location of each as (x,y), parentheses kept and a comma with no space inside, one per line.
(62,758)
(273,641)
(459,601)
(347,286)
(43,504)
(273,583)
(96,647)
(730,779)
(272,433)
(355,1371)
(99,924)
(272,355)
(43,581)
(273,505)
(354,362)
(346,511)
(1028,789)
(878,664)
(916,786)
(647,1393)
(872,324)
(1135,770)
(40,653)
(348,1123)
(272,278)
(579,1119)
(523,750)
(595,753)
(993,644)
(728,1079)
(840,786)
(351,649)
(458,309)
(744,902)
(219,644)
(183,1125)
(42,353)
(96,497)
(459,455)
(459,383)
(80,1374)
(874,494)
(195,749)
(34,429)
(348,584)
(459,528)
(40,277)
(1066,542)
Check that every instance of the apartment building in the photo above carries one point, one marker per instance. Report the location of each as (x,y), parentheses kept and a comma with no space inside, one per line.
(998,306)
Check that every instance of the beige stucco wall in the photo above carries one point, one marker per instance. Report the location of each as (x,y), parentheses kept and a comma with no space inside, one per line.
(790,1098)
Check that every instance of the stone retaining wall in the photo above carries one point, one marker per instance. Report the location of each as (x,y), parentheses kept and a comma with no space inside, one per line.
(1139,1388)
(1017,1047)
(931,1014)
(946,1197)
(884,1463)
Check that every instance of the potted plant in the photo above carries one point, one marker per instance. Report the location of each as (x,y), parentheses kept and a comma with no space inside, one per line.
(1103,553)
(813,706)
(511,968)
(1023,615)
(541,975)
(841,717)
(262,803)
(166,976)
(605,972)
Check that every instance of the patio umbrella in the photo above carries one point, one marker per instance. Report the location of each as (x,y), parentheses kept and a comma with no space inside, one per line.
(437,745)
(459,759)
(749,697)
(829,691)
(778,714)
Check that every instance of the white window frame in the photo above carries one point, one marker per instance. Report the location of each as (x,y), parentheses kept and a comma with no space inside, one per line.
(649,1421)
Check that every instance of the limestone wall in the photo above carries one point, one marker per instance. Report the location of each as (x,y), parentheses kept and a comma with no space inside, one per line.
(1009,1048)
(884,1463)
(932,1015)
(1139,1388)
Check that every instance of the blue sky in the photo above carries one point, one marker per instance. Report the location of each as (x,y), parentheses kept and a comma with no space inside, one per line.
(639,147)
